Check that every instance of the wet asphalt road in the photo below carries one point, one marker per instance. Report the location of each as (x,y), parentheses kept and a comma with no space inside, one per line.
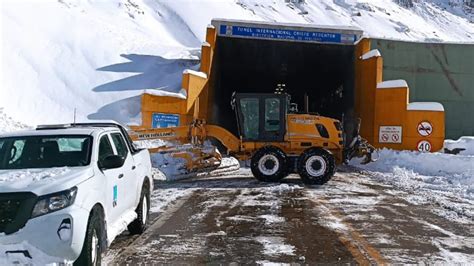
(235,219)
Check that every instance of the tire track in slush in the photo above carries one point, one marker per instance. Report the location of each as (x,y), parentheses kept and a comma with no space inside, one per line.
(268,223)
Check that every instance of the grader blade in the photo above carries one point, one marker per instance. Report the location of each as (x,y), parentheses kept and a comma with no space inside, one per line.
(178,143)
(198,158)
(361,148)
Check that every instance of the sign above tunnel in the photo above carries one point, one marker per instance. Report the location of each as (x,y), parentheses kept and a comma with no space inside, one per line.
(286,32)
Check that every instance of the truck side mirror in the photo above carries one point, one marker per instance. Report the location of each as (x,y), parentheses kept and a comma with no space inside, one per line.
(112,162)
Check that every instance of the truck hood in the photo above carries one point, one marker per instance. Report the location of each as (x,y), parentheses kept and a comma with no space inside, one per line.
(43,181)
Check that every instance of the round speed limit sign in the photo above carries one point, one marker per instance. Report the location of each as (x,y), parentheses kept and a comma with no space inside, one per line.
(424,146)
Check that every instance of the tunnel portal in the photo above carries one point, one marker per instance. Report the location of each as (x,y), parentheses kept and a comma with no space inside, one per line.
(321,69)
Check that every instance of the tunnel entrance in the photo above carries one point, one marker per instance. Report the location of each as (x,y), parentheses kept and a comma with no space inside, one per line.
(324,72)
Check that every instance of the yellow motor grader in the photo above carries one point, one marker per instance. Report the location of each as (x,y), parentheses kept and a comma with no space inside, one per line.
(276,140)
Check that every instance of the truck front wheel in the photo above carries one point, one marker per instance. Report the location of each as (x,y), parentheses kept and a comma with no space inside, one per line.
(316,166)
(138,226)
(91,253)
(269,164)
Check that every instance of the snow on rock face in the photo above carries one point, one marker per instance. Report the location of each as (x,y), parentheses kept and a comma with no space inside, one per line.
(96,56)
(390,84)
(20,179)
(425,106)
(7,124)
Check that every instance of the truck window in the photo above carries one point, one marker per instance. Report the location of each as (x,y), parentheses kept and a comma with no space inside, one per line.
(272,114)
(120,144)
(250,116)
(105,149)
(44,151)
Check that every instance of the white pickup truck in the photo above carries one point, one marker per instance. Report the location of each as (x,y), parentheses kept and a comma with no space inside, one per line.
(67,191)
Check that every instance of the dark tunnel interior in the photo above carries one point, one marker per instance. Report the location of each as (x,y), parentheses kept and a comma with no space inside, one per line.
(325,72)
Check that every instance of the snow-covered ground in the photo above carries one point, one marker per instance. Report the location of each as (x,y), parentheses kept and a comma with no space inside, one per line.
(237,212)
(98,57)
(443,179)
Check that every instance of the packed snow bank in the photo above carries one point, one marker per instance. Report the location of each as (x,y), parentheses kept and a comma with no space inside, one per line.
(466,143)
(442,180)
(170,168)
(436,171)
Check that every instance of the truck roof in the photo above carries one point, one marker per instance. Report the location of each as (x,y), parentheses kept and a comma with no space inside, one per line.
(66,129)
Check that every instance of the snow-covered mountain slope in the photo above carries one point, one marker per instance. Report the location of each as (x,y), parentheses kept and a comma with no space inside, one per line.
(99,56)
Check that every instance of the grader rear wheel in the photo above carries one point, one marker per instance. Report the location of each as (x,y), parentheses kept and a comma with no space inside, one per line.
(269,164)
(316,166)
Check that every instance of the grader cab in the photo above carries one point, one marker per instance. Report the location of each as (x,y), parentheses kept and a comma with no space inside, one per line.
(277,141)
(281,141)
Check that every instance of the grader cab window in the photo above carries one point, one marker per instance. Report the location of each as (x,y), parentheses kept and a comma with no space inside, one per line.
(250,117)
(272,114)
(261,117)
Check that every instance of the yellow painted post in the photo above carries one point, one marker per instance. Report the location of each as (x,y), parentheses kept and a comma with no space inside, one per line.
(371,74)
(207,55)
(206,58)
(211,35)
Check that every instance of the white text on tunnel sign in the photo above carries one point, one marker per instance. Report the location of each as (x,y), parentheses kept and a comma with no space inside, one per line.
(390,134)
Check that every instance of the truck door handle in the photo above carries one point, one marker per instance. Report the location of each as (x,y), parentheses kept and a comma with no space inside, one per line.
(133,167)
(120,176)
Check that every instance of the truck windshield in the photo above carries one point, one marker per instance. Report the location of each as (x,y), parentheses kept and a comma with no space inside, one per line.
(44,151)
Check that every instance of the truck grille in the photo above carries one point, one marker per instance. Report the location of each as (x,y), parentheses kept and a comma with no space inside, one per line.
(15,210)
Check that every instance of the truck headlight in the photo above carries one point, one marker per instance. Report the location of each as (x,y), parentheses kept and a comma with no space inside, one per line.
(54,202)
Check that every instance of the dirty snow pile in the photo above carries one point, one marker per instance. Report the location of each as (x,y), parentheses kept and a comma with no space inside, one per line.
(437,170)
(464,144)
(443,179)
(98,57)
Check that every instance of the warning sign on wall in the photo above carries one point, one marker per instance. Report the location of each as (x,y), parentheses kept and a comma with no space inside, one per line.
(390,134)
(425,128)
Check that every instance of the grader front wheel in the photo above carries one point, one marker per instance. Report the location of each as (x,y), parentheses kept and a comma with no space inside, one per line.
(269,164)
(316,166)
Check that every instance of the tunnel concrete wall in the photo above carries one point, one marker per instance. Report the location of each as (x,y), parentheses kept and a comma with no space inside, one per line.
(436,73)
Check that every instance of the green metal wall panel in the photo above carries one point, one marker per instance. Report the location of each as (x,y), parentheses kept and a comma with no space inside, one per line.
(438,72)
